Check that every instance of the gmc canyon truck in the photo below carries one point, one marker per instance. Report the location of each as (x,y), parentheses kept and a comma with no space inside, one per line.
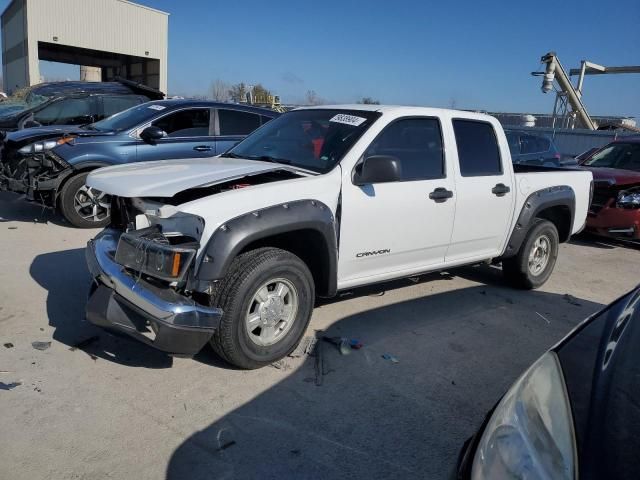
(234,249)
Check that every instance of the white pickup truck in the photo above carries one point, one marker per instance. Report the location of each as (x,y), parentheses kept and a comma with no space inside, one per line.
(234,249)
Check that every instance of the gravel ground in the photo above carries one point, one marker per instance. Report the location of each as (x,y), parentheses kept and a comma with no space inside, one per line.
(112,408)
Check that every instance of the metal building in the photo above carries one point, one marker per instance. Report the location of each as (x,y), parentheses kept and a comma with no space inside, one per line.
(111,37)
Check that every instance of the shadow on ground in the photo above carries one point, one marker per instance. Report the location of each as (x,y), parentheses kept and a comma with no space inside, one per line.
(371,418)
(65,277)
(15,208)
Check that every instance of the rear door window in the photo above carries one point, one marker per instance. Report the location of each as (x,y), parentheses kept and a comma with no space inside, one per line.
(416,143)
(234,122)
(68,111)
(192,122)
(478,151)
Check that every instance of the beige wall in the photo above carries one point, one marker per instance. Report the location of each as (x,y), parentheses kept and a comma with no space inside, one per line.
(109,25)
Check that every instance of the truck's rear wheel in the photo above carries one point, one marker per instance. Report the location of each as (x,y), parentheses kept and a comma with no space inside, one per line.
(531,267)
(83,206)
(267,298)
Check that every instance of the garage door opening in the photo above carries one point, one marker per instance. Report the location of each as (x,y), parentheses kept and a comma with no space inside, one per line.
(138,69)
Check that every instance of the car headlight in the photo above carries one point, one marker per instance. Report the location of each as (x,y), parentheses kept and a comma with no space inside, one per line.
(629,198)
(530,434)
(44,145)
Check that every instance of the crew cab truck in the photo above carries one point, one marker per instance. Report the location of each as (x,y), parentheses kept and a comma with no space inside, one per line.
(234,249)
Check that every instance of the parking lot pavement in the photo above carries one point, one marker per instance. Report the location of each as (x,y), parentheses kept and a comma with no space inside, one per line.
(113,408)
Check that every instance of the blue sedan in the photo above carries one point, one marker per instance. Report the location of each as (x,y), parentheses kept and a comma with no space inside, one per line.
(53,170)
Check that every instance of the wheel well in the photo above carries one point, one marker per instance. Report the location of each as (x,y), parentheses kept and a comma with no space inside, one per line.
(73,174)
(310,246)
(561,217)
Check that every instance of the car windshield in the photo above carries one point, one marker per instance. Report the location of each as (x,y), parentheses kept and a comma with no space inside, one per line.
(128,119)
(313,139)
(625,156)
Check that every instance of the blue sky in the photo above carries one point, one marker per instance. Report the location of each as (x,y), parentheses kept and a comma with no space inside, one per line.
(473,54)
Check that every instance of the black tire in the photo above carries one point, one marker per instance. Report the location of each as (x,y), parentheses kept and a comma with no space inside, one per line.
(235,295)
(67,204)
(516,269)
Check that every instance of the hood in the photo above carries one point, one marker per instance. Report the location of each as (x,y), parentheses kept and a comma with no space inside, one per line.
(30,135)
(601,366)
(166,178)
(616,176)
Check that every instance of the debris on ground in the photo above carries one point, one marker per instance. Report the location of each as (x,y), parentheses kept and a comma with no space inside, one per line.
(572,300)
(13,228)
(543,317)
(388,356)
(281,365)
(224,446)
(305,347)
(318,365)
(84,343)
(9,386)
(8,345)
(340,342)
(40,345)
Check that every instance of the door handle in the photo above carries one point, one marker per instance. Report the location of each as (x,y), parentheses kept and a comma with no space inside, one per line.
(500,190)
(440,195)
(202,148)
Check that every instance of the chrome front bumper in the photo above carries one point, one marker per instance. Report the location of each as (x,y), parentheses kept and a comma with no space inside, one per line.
(157,316)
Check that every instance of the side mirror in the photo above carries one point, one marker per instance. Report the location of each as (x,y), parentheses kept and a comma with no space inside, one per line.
(378,169)
(152,134)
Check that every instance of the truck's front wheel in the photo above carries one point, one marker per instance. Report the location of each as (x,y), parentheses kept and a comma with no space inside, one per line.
(534,262)
(267,298)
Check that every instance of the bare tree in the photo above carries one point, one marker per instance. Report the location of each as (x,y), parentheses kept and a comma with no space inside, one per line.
(238,92)
(369,101)
(312,98)
(220,90)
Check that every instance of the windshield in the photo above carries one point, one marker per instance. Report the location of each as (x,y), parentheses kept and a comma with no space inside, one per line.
(313,139)
(625,156)
(128,119)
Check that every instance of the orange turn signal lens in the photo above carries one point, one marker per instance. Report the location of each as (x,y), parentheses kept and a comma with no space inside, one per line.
(175,267)
(67,139)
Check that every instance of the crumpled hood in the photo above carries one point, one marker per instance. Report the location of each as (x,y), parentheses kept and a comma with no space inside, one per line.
(165,178)
(616,175)
(29,135)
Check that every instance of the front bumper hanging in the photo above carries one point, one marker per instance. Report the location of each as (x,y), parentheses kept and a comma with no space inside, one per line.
(157,316)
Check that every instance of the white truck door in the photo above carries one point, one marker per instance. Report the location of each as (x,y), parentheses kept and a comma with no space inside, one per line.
(485,192)
(388,229)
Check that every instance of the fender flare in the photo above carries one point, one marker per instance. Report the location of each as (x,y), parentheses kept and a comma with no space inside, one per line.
(536,202)
(233,236)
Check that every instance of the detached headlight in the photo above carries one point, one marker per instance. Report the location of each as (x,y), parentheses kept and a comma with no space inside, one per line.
(629,198)
(150,252)
(44,145)
(530,434)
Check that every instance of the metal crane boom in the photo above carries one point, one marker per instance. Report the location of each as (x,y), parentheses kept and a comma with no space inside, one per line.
(555,71)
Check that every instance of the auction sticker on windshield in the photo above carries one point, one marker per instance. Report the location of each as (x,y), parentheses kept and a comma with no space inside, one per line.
(348,119)
(157,107)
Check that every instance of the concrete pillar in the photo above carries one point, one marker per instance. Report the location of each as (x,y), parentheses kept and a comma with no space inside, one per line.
(90,74)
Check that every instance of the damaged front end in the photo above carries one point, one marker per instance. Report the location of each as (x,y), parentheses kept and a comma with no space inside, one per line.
(142,267)
(37,175)
(615,210)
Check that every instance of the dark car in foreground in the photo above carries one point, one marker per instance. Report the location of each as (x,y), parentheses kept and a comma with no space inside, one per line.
(532,148)
(575,413)
(72,103)
(615,207)
(53,171)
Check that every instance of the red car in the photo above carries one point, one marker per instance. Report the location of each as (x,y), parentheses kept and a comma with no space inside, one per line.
(615,208)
